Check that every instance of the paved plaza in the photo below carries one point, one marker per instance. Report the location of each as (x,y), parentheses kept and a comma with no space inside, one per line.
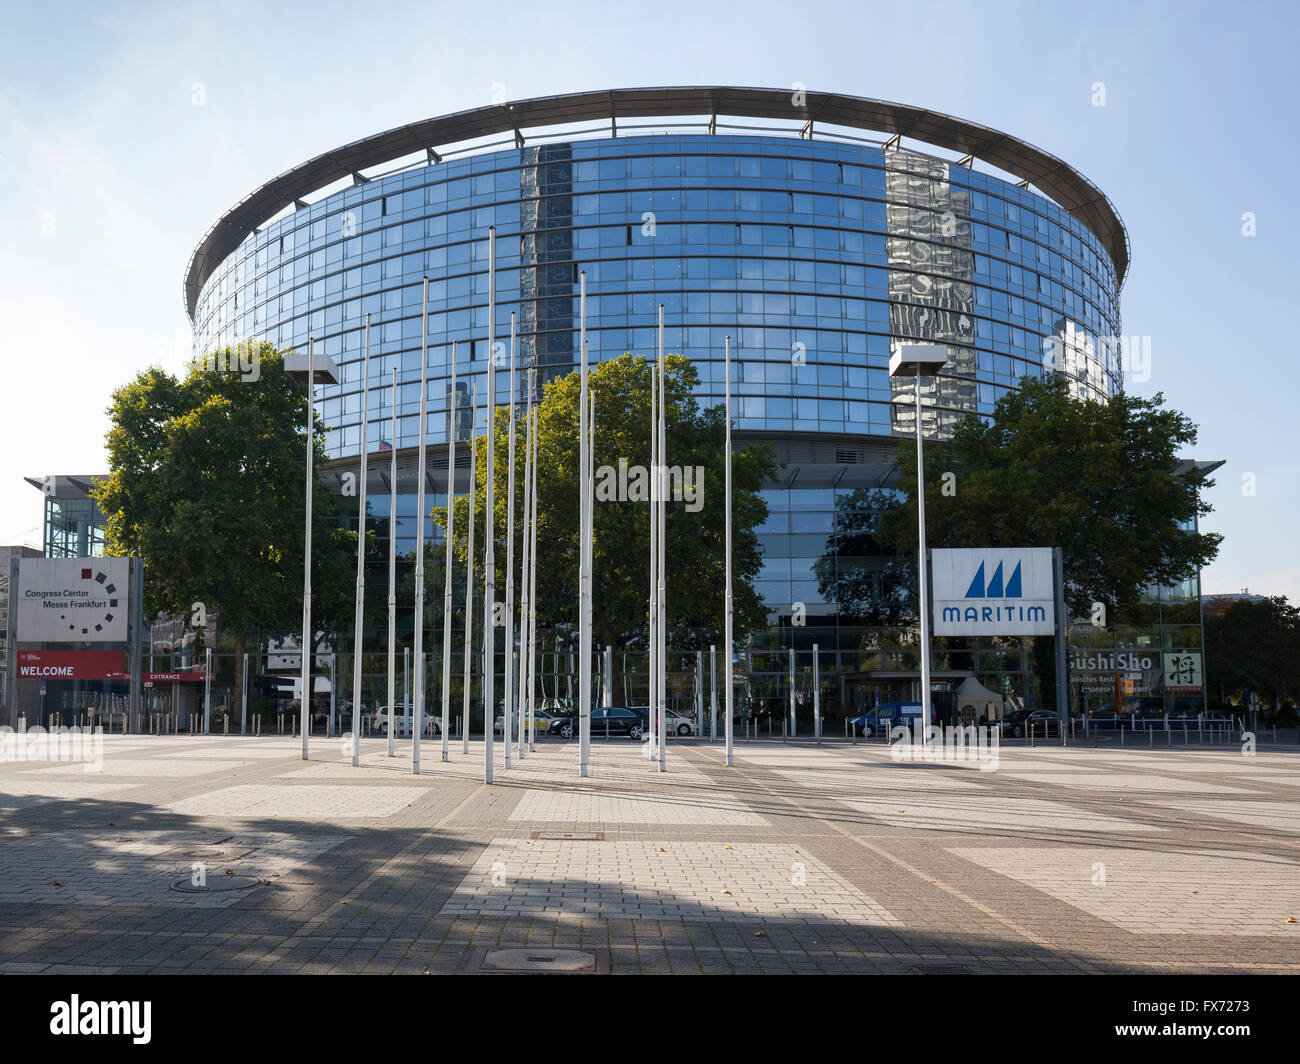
(231,854)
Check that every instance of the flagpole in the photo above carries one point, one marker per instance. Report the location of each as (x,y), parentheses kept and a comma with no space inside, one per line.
(663,535)
(453,408)
(361,556)
(489,551)
(727,639)
(469,572)
(508,709)
(392,568)
(532,578)
(652,656)
(525,567)
(589,542)
(307,644)
(417,708)
(584,587)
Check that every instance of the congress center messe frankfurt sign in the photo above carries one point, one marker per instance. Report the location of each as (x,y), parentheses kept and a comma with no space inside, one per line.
(994,591)
(72,600)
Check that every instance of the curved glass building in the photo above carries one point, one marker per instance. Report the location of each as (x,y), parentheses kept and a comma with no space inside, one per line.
(819,231)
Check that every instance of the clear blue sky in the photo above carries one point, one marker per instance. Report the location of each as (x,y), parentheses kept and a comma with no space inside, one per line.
(111,173)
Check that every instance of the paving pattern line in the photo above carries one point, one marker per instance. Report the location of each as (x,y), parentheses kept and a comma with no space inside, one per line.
(947,888)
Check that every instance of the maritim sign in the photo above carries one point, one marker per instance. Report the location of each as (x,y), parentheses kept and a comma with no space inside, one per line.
(993,591)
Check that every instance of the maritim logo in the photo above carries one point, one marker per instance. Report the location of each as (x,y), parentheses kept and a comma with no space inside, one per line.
(102,1018)
(978,589)
(993,591)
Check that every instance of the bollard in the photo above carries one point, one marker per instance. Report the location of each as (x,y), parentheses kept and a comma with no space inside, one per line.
(225,723)
(783,729)
(1031,734)
(1171,739)
(457,715)
(1185,740)
(1121,735)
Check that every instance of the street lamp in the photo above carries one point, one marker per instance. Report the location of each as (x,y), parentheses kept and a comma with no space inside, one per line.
(302,369)
(920,360)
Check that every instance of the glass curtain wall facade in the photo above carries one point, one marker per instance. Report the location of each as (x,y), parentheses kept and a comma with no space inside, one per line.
(818,257)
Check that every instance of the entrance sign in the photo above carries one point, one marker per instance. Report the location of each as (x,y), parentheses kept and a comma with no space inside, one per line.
(993,591)
(72,600)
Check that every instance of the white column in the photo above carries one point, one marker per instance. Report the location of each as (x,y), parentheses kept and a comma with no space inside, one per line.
(713,693)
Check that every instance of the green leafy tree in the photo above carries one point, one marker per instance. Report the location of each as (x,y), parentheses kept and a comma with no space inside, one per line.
(205,484)
(1046,469)
(1256,645)
(695,578)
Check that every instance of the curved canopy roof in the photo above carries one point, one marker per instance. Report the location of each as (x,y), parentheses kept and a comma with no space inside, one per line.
(1074,192)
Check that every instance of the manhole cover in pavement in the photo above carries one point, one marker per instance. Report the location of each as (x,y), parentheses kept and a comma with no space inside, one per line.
(941,969)
(205,851)
(572,836)
(544,959)
(217,884)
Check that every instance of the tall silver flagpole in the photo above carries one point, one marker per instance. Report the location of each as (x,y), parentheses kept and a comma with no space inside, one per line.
(392,568)
(663,536)
(652,656)
(508,710)
(361,555)
(469,573)
(452,410)
(728,646)
(589,542)
(417,708)
(489,552)
(306,565)
(584,584)
(525,565)
(532,583)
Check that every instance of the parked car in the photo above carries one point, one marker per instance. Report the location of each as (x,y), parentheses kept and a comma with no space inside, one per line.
(678,723)
(885,716)
(544,719)
(1017,724)
(402,720)
(605,720)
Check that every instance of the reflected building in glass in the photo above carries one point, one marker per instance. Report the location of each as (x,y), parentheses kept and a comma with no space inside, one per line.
(819,231)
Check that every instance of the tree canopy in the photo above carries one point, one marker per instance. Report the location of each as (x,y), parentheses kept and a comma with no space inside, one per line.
(1046,469)
(621,387)
(205,483)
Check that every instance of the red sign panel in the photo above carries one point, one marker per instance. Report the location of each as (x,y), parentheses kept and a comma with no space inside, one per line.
(72,664)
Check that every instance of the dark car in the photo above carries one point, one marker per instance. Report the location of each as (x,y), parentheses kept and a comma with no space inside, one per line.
(1017,724)
(605,720)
